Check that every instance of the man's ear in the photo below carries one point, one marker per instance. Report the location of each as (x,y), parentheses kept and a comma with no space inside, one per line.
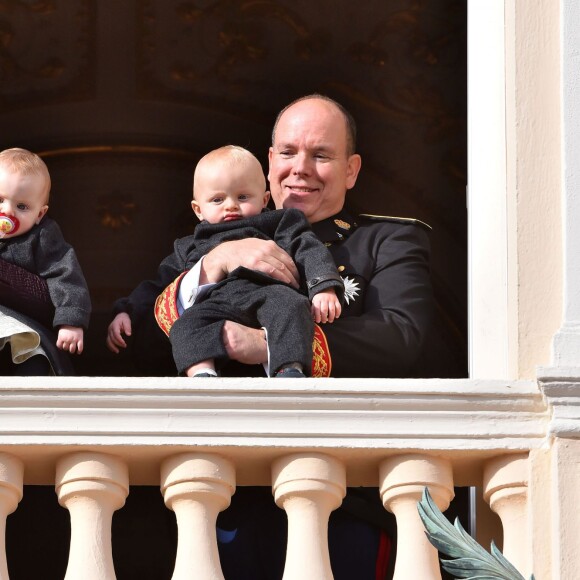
(41,213)
(266,198)
(352,169)
(196,210)
(270,154)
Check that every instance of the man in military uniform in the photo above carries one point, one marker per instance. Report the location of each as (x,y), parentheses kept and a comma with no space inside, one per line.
(386,316)
(385,265)
(384,262)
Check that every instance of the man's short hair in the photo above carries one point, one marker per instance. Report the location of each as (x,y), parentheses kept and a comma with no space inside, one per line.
(17,160)
(349,121)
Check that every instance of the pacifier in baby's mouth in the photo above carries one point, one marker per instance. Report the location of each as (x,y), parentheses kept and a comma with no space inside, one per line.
(9,224)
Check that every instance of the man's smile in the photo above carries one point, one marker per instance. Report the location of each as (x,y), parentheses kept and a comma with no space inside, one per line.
(300,189)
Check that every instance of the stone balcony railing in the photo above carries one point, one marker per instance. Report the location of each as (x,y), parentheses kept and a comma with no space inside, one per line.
(95,437)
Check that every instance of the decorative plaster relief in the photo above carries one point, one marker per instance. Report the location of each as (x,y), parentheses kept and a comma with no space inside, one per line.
(47,51)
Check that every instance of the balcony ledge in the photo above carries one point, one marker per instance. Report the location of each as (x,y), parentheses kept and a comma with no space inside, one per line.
(145,420)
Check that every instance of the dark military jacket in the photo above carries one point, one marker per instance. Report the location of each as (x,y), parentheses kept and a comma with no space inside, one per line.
(388,295)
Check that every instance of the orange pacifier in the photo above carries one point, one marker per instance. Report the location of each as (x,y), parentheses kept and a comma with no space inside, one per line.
(8,225)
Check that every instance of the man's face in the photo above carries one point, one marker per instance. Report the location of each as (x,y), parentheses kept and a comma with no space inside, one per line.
(22,202)
(310,169)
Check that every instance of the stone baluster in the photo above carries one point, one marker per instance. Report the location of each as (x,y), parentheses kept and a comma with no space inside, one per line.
(197,486)
(402,479)
(308,486)
(505,485)
(91,486)
(11,475)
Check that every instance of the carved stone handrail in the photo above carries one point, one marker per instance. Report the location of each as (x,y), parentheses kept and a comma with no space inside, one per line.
(91,486)
(160,414)
(308,438)
(308,486)
(197,487)
(403,479)
(11,475)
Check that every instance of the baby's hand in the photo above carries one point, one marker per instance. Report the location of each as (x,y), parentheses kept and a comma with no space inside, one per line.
(325,306)
(70,338)
(120,326)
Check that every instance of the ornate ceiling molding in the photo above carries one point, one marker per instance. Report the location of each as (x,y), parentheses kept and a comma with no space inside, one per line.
(47,52)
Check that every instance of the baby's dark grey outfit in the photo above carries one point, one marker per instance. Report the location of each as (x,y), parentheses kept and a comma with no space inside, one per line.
(255,299)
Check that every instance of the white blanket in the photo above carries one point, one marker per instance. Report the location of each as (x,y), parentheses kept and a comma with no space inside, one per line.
(24,341)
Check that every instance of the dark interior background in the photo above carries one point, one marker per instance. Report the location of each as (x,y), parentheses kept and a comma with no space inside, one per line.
(122,98)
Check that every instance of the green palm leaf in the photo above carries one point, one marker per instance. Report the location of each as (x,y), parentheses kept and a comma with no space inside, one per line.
(470,561)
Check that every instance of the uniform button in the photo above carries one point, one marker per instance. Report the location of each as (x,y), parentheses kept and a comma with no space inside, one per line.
(341,268)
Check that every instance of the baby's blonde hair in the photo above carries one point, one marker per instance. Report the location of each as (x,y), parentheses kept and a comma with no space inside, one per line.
(17,160)
(230,155)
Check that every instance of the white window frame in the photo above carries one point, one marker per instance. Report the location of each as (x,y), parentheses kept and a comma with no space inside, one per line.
(492,280)
(490,343)
(566,344)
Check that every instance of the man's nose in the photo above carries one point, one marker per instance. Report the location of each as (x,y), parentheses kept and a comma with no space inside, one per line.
(301,165)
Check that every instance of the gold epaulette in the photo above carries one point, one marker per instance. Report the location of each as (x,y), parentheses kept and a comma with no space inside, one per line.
(398,220)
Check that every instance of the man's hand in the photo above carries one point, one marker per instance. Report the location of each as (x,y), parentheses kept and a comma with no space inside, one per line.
(70,339)
(244,344)
(121,325)
(255,254)
(325,306)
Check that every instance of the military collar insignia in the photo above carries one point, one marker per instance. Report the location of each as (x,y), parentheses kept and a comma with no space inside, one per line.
(342,224)
(335,229)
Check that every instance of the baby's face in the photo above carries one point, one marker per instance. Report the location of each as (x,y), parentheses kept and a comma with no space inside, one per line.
(22,202)
(230,193)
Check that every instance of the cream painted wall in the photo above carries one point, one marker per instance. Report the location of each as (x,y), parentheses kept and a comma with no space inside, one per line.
(534,181)
(515,189)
